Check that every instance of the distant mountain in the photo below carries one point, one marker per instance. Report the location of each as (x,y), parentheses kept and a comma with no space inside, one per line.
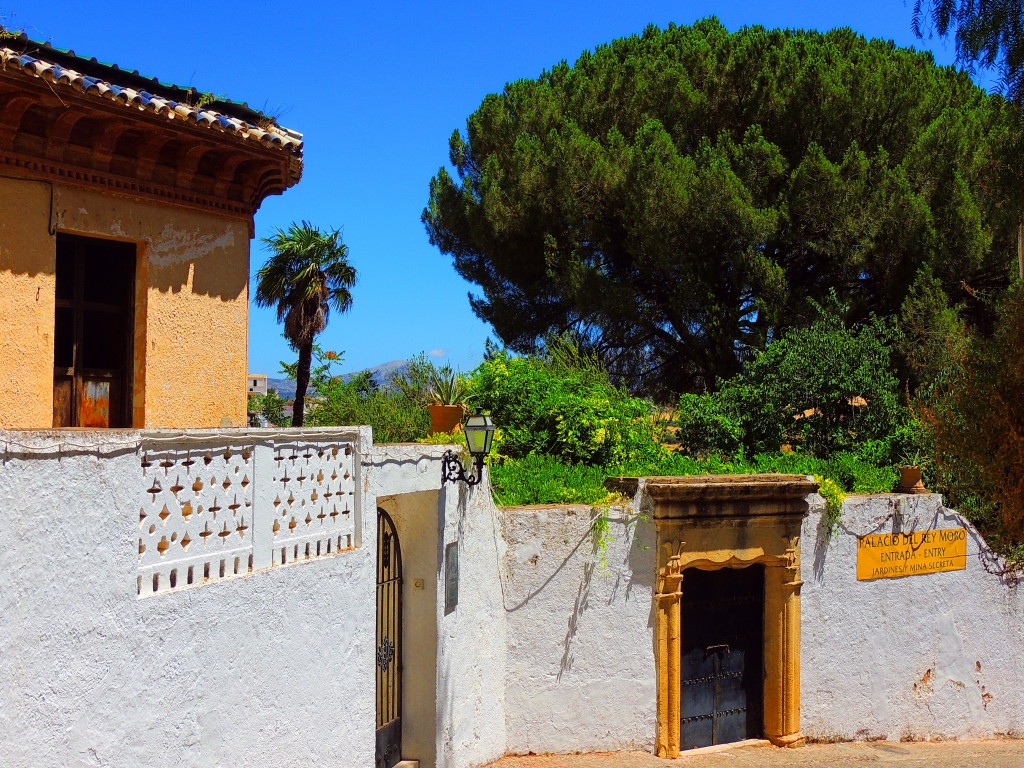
(285,387)
(381,374)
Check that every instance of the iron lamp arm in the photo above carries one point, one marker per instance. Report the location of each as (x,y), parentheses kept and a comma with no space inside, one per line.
(452,470)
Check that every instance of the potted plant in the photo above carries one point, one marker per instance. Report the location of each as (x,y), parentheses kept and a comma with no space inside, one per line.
(448,394)
(910,467)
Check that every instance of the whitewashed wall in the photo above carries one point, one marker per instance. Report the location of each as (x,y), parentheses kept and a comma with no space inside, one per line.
(471,659)
(581,672)
(454,665)
(273,667)
(547,649)
(932,656)
(136,634)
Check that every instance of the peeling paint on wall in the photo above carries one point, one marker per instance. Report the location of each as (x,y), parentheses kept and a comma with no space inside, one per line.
(176,246)
(191,304)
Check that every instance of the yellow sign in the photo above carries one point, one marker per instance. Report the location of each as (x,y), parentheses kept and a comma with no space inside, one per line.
(891,555)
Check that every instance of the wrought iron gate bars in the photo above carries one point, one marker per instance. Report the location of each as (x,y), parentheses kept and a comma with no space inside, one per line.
(388,665)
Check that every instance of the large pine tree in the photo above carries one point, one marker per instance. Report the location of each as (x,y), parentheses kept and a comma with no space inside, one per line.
(676,197)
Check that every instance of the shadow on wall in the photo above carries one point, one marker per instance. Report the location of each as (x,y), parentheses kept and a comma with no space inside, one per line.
(28,223)
(632,546)
(215,264)
(580,605)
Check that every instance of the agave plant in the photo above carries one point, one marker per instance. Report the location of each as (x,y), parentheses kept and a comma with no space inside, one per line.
(447,387)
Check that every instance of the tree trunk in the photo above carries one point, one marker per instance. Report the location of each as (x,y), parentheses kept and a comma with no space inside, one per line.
(301,383)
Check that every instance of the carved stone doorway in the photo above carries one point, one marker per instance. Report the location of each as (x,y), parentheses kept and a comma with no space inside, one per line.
(729,521)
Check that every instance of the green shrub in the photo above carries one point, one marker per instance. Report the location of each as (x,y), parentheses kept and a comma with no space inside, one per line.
(539,479)
(562,403)
(396,415)
(394,418)
(823,389)
(704,426)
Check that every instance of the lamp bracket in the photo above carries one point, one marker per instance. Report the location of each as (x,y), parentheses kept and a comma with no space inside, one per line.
(452,470)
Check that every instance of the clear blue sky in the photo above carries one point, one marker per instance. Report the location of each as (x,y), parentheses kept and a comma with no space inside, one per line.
(377,89)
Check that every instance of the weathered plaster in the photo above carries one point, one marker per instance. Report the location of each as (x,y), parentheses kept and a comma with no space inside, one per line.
(454,674)
(191,352)
(471,659)
(546,651)
(932,656)
(191,304)
(27,265)
(581,672)
(935,656)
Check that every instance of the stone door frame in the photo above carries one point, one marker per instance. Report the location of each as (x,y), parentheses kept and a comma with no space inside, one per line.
(730,521)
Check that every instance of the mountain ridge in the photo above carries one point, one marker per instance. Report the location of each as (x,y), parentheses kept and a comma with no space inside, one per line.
(381,373)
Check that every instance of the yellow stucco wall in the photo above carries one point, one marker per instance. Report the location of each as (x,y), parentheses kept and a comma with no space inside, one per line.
(27,258)
(191,305)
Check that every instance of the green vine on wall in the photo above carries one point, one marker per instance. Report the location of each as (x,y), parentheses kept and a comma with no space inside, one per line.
(834,497)
(601,532)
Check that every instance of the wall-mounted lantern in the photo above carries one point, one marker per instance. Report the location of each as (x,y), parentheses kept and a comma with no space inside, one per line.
(479,434)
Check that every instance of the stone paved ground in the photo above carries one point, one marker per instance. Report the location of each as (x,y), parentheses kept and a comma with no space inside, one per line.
(950,754)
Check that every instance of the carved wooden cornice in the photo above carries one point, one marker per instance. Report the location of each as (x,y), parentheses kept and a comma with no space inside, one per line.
(71,138)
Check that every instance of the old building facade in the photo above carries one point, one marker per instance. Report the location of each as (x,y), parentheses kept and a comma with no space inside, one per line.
(124,243)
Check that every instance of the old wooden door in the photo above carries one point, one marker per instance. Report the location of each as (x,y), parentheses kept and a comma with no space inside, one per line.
(389,642)
(722,668)
(93,332)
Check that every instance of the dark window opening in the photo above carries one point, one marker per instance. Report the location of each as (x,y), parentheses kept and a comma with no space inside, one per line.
(93,332)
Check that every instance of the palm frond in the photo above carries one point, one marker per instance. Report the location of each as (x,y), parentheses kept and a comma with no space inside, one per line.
(305,276)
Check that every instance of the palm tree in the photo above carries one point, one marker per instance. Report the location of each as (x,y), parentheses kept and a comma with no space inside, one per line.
(307,274)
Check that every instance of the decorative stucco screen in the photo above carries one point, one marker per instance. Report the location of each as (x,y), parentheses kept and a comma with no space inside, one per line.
(216,506)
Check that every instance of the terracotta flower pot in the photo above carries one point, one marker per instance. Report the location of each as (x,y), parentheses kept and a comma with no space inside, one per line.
(444,418)
(910,481)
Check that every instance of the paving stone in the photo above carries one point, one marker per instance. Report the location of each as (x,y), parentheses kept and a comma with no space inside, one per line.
(1008,753)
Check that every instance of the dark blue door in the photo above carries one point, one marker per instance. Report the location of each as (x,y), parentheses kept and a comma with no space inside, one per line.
(722,668)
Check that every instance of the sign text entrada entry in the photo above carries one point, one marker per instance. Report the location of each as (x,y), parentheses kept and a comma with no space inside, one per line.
(891,555)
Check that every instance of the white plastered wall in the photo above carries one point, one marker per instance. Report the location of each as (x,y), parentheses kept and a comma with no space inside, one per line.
(453,712)
(471,659)
(932,656)
(546,651)
(919,657)
(272,668)
(581,671)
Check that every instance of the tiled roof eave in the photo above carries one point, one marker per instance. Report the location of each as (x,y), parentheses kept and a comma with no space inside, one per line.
(64,79)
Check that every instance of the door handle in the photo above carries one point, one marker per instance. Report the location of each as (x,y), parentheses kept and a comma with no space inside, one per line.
(715,648)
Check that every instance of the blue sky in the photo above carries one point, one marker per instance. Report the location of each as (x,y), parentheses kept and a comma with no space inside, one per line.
(377,89)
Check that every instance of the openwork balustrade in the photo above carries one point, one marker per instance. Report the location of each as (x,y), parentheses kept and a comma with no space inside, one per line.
(215,506)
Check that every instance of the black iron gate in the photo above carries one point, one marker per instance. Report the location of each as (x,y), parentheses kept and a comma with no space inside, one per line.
(389,643)
(722,668)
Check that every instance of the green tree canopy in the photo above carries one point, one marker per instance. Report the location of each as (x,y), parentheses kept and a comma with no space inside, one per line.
(676,197)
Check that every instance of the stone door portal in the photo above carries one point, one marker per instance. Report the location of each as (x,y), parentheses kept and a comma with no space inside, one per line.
(389,643)
(717,536)
(722,668)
